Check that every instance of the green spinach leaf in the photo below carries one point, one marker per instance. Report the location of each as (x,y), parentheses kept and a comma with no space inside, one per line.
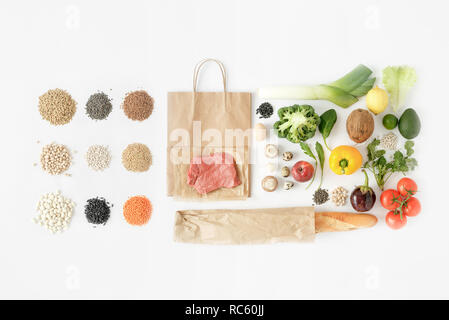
(327,123)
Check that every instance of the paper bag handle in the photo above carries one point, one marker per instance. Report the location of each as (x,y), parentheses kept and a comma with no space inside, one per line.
(198,68)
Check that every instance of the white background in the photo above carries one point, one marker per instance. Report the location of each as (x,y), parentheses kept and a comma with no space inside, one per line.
(85,46)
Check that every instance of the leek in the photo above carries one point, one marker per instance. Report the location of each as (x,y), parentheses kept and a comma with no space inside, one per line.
(344,92)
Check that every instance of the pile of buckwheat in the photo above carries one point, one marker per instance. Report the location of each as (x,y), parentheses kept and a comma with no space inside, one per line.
(138,105)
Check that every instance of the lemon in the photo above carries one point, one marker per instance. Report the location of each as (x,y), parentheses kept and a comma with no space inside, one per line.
(377,100)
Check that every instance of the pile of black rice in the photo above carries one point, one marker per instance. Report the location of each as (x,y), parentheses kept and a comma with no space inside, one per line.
(97,210)
(265,110)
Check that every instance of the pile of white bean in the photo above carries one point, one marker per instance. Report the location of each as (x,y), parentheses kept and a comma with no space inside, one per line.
(339,196)
(54,212)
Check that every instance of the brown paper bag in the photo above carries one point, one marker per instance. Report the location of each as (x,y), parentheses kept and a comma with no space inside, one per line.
(200,123)
(250,226)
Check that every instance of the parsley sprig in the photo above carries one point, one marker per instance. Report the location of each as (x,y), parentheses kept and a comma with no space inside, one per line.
(382,169)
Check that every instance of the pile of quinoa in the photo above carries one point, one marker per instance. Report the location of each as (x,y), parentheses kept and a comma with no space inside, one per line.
(137,157)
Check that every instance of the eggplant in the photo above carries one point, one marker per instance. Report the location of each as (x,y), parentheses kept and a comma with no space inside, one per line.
(363,197)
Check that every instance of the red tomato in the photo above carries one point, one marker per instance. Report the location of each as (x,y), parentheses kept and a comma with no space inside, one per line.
(412,207)
(390,199)
(394,221)
(406,186)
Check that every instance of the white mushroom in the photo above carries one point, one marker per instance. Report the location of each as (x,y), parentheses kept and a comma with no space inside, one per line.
(269,183)
(271,151)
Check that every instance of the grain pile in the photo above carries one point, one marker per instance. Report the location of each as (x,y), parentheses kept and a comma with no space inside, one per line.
(136,157)
(55,158)
(57,106)
(389,141)
(99,106)
(339,196)
(54,212)
(97,210)
(138,105)
(137,210)
(98,157)
(320,196)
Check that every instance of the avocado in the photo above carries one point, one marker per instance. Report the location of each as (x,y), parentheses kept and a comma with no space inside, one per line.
(409,124)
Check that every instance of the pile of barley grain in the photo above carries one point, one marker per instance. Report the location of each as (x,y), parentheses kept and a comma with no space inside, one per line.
(138,105)
(57,106)
(136,157)
(98,157)
(55,158)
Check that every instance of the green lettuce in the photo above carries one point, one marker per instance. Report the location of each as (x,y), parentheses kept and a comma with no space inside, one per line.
(398,81)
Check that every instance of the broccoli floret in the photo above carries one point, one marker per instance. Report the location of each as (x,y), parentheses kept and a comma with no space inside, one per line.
(297,123)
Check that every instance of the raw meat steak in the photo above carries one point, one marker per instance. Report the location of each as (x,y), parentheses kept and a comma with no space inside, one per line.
(212,172)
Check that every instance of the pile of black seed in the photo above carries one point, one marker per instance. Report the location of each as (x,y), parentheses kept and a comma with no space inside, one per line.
(97,210)
(99,106)
(320,196)
(265,110)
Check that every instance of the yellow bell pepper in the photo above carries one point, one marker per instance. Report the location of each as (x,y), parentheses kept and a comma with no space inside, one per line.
(345,160)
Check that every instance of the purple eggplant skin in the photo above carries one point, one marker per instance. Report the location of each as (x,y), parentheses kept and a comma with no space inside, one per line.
(363,197)
(362,201)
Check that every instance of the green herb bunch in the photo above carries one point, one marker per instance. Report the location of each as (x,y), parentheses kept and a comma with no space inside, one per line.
(383,170)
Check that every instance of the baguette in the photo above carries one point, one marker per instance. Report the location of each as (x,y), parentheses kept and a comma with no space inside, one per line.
(342,221)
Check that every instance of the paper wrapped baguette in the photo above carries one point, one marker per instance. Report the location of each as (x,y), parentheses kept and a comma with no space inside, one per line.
(251,226)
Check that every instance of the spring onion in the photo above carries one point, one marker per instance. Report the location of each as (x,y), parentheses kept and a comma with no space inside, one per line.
(344,92)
